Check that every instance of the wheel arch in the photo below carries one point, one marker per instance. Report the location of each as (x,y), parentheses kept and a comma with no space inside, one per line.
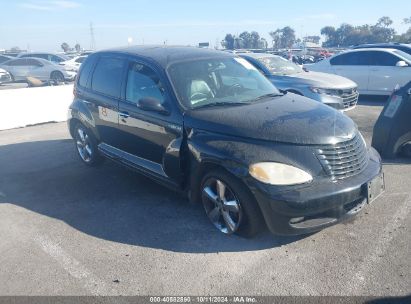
(79,113)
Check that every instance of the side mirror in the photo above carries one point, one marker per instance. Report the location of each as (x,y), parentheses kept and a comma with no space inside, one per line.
(401,64)
(152,104)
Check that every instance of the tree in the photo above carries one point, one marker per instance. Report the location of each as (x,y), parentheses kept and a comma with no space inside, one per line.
(347,35)
(228,42)
(65,47)
(330,36)
(384,21)
(246,39)
(77,47)
(283,38)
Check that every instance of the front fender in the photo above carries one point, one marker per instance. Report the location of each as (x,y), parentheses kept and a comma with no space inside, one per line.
(210,150)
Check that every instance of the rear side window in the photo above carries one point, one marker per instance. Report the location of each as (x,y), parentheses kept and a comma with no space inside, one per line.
(18,62)
(352,58)
(33,63)
(107,76)
(85,72)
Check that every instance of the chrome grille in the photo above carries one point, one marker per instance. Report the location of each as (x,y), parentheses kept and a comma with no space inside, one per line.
(344,159)
(5,77)
(349,97)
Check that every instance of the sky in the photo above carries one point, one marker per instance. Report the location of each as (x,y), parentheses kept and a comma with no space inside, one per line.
(42,25)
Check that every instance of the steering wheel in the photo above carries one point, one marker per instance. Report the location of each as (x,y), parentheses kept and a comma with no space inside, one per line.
(198,96)
(233,89)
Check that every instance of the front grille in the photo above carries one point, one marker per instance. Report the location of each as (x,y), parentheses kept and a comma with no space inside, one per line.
(349,97)
(5,77)
(344,159)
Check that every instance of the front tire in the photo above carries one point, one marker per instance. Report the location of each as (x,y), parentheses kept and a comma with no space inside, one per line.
(86,146)
(229,205)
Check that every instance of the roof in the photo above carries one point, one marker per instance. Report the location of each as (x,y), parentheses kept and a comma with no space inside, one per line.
(165,55)
(371,49)
(383,44)
(258,55)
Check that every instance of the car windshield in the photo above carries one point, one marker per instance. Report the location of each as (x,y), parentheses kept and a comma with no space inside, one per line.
(403,55)
(223,81)
(280,66)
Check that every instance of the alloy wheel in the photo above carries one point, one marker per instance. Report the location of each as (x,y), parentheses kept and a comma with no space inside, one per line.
(221,205)
(84,145)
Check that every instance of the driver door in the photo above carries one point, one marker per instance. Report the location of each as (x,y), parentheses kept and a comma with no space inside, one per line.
(146,135)
(385,75)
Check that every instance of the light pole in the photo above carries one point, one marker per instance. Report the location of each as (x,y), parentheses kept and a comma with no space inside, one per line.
(130,40)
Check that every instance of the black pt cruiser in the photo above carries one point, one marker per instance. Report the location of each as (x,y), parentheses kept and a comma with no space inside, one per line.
(207,123)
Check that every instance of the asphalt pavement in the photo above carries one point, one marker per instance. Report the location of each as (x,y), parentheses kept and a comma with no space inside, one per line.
(67,229)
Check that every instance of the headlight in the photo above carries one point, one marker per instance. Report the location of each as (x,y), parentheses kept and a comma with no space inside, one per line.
(323,91)
(279,174)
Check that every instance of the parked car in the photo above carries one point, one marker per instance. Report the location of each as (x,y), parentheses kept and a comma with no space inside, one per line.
(55,58)
(392,131)
(74,63)
(207,123)
(406,48)
(376,71)
(4,58)
(43,70)
(4,76)
(335,91)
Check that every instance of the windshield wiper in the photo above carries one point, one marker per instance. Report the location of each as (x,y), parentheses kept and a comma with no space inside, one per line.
(225,103)
(267,96)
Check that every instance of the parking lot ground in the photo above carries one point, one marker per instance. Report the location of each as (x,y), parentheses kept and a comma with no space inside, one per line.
(67,229)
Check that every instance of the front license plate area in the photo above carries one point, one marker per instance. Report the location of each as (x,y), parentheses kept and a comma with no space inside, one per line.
(375,188)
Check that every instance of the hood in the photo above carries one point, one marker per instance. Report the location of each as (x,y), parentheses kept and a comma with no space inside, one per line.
(321,80)
(290,119)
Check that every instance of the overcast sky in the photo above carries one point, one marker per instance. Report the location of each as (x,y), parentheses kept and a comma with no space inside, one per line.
(45,24)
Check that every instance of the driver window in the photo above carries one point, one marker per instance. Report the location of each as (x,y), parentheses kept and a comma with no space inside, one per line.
(143,82)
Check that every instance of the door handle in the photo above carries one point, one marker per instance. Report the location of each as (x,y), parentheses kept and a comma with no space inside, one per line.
(124,114)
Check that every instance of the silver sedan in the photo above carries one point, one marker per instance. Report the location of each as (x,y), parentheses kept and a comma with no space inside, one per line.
(335,91)
(22,68)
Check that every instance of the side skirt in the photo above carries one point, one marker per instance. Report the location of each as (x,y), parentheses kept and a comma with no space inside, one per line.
(143,166)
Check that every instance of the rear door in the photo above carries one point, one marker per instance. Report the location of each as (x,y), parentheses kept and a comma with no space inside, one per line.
(38,70)
(103,96)
(385,75)
(354,66)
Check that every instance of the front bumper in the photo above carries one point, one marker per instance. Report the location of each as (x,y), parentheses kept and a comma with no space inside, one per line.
(70,75)
(322,203)
(5,78)
(342,103)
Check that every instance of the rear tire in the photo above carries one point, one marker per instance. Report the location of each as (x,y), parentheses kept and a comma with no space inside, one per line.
(86,146)
(57,77)
(230,205)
